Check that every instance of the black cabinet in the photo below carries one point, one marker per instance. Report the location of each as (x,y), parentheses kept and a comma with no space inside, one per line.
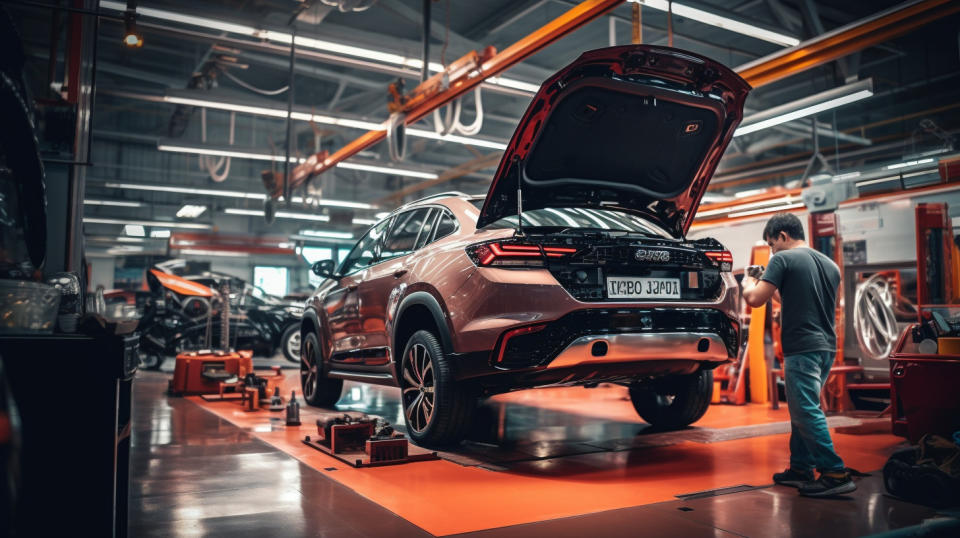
(73,394)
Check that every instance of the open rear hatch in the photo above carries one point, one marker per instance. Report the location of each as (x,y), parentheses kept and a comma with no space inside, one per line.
(637,128)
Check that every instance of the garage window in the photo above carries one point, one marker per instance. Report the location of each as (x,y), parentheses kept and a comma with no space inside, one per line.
(272,280)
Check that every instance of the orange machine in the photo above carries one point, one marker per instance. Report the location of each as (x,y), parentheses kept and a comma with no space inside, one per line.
(200,372)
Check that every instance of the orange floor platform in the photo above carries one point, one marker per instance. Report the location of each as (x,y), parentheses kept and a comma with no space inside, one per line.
(552,453)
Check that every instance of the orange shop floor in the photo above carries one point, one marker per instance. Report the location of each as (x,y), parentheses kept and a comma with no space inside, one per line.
(541,455)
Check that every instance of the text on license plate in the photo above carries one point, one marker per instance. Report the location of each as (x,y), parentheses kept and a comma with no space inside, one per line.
(620,287)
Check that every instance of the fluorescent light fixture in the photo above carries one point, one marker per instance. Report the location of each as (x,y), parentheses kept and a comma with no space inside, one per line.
(886,179)
(766,210)
(231,194)
(387,170)
(301,41)
(909,163)
(848,175)
(278,214)
(198,252)
(328,120)
(123,239)
(331,235)
(160,234)
(381,215)
(191,211)
(134,230)
(720,21)
(365,222)
(113,203)
(280,158)
(807,106)
(750,192)
(124,222)
(762,203)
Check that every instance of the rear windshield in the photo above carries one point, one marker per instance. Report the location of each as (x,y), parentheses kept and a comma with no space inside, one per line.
(578,217)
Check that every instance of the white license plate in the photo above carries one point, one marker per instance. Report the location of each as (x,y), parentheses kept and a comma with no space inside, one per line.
(627,287)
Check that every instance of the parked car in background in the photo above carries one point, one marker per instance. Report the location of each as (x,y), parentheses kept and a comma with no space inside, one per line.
(454,297)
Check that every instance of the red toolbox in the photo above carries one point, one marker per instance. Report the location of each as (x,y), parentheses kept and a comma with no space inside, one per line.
(200,372)
(924,391)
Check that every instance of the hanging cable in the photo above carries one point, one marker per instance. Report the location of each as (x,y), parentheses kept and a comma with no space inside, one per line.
(252,88)
(218,169)
(473,128)
(450,121)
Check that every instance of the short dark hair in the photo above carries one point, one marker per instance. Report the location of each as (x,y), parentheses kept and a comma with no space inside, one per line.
(783,222)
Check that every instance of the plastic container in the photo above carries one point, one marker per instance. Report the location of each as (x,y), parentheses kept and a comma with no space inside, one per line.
(27,307)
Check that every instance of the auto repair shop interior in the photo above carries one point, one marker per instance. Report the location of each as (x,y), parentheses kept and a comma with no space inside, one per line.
(486,268)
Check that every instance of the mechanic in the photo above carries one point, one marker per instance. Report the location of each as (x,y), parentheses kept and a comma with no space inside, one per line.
(805,282)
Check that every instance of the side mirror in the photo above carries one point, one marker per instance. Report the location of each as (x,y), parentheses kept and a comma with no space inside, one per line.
(324,268)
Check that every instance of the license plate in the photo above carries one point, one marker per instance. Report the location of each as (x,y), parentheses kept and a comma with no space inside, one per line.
(626,287)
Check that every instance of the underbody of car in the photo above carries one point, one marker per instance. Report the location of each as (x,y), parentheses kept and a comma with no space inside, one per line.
(573,270)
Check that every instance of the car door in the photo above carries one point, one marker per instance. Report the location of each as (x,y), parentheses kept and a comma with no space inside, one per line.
(386,274)
(341,304)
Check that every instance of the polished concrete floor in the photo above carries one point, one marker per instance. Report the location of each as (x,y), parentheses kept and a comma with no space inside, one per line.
(540,463)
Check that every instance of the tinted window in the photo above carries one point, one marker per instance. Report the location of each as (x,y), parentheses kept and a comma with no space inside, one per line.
(427,232)
(364,252)
(446,226)
(404,232)
(577,217)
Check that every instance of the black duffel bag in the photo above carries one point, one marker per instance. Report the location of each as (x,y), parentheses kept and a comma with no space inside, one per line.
(927,474)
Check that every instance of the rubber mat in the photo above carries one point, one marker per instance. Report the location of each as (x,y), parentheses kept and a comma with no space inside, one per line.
(570,473)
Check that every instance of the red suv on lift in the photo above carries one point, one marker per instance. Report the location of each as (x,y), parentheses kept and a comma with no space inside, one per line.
(453,298)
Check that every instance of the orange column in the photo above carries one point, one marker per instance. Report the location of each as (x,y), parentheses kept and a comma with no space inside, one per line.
(756,350)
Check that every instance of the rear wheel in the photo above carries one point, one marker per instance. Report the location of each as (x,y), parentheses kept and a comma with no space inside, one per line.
(675,401)
(318,390)
(436,408)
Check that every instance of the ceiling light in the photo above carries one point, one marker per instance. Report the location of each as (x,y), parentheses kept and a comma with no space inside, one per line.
(762,203)
(807,106)
(228,253)
(232,194)
(279,214)
(191,211)
(113,203)
(301,41)
(751,192)
(766,210)
(328,120)
(160,234)
(122,239)
(92,220)
(720,21)
(131,36)
(134,230)
(381,215)
(909,163)
(279,158)
(332,235)
(365,222)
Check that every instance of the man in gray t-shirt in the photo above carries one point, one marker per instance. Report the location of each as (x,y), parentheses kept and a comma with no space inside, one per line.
(805,282)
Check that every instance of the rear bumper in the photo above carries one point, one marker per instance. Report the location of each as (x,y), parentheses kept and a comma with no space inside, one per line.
(604,344)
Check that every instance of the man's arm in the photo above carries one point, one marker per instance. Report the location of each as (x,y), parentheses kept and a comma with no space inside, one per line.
(757,292)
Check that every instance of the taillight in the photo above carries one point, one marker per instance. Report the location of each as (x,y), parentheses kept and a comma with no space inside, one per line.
(723,258)
(512,255)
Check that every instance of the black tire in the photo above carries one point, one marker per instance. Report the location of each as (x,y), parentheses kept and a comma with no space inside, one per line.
(290,349)
(150,361)
(436,408)
(674,402)
(318,390)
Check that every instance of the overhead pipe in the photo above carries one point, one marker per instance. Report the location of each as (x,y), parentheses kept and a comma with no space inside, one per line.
(856,36)
(489,66)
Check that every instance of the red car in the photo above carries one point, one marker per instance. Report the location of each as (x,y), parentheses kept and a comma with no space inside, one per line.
(454,298)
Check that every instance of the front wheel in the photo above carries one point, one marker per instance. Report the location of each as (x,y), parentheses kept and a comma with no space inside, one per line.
(318,390)
(436,408)
(290,343)
(673,402)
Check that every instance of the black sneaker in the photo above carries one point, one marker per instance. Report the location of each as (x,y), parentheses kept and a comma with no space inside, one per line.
(793,478)
(829,484)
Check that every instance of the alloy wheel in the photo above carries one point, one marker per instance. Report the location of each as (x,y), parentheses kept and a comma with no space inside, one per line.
(308,368)
(293,344)
(418,388)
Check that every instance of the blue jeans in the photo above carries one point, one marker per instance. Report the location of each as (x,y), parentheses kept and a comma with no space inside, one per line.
(810,443)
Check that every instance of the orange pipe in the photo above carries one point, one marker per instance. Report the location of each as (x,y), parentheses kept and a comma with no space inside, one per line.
(846,40)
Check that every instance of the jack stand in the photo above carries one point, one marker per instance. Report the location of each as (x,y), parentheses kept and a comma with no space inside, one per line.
(293,410)
(276,401)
